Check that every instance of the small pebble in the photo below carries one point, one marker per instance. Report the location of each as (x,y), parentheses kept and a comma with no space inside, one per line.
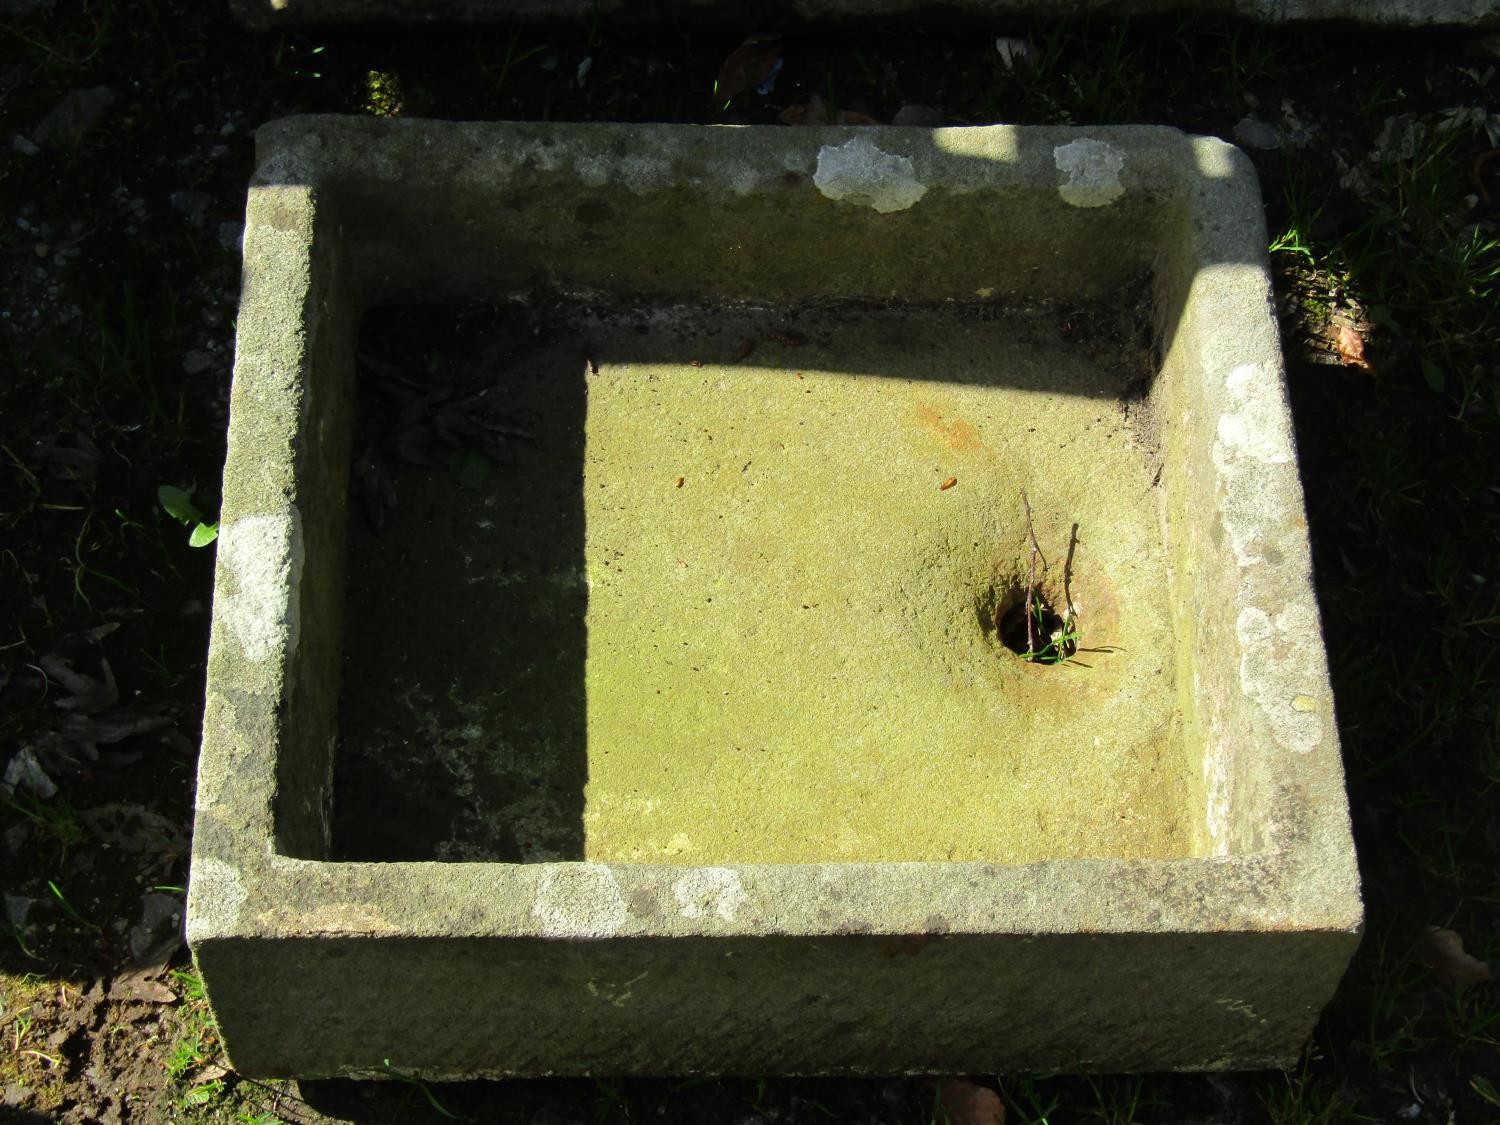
(1252,132)
(923,116)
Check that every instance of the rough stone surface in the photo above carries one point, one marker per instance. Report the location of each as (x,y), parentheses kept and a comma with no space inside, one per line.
(741,13)
(791,656)
(1252,132)
(1219,957)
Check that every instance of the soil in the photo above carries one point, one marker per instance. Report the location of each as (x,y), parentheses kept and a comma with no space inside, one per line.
(118,283)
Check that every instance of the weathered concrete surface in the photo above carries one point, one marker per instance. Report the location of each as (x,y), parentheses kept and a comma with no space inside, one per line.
(772,13)
(790,657)
(1221,957)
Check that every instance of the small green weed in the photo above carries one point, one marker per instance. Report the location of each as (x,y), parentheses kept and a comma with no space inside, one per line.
(195,1044)
(1485,1089)
(297,57)
(383,96)
(1032,1101)
(1121,1098)
(1061,640)
(1429,278)
(178,503)
(203,1094)
(498,75)
(1307,1099)
(1080,72)
(423,1087)
(68,908)
(66,44)
(85,545)
(55,819)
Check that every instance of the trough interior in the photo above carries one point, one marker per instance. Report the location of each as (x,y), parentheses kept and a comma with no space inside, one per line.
(721,607)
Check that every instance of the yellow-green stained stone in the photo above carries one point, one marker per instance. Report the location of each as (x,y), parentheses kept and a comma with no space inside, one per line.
(790,656)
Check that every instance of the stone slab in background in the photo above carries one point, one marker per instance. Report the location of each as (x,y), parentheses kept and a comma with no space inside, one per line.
(802,935)
(744,14)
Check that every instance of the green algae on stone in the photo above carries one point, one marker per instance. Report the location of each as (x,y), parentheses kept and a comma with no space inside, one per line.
(724,611)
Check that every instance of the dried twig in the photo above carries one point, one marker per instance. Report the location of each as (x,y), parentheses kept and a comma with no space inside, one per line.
(1068,575)
(1031,579)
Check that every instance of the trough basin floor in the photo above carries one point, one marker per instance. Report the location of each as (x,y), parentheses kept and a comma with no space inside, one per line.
(735,599)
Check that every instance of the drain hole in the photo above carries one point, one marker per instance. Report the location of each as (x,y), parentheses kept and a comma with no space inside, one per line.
(1049,638)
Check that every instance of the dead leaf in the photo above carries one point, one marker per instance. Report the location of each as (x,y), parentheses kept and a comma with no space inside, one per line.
(810,112)
(748,65)
(1015,54)
(1351,347)
(961,1102)
(86,695)
(86,733)
(142,984)
(24,771)
(815,111)
(1443,952)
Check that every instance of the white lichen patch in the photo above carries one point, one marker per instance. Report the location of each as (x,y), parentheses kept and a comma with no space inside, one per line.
(617,995)
(215,896)
(1217,805)
(1253,434)
(262,558)
(1277,653)
(861,173)
(1256,424)
(708,891)
(579,900)
(1240,1007)
(1092,170)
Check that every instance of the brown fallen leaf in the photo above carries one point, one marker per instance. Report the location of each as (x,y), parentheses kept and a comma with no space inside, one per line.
(748,65)
(1351,347)
(1443,952)
(141,983)
(815,111)
(961,1102)
(947,484)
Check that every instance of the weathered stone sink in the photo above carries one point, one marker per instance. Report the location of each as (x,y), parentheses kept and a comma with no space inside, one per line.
(697,739)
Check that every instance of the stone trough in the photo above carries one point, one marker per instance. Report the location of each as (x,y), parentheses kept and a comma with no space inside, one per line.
(620,648)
